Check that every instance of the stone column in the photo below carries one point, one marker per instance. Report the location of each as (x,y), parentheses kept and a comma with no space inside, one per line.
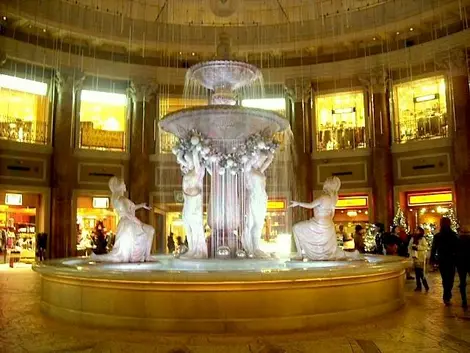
(63,165)
(377,85)
(455,62)
(142,144)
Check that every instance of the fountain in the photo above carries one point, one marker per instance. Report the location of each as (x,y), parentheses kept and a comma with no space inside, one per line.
(238,288)
(235,145)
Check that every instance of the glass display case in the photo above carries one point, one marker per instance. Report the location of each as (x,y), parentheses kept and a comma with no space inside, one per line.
(340,121)
(103,121)
(421,110)
(23,110)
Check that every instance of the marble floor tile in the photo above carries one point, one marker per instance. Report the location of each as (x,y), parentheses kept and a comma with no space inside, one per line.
(422,325)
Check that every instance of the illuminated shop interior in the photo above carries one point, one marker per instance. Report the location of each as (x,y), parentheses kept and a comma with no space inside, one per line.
(421,109)
(23,110)
(425,209)
(340,121)
(103,120)
(351,210)
(18,223)
(90,211)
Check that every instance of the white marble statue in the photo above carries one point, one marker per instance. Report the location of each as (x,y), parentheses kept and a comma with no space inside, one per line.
(256,203)
(315,239)
(193,178)
(133,241)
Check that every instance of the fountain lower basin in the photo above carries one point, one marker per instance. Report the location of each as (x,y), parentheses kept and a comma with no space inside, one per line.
(220,296)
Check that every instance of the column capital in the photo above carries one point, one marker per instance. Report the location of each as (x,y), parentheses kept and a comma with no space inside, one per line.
(454,61)
(376,80)
(141,91)
(299,88)
(68,81)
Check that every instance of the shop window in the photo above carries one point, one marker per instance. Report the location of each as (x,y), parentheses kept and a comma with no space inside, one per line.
(421,110)
(103,121)
(274,236)
(18,218)
(96,225)
(277,105)
(340,121)
(170,105)
(23,110)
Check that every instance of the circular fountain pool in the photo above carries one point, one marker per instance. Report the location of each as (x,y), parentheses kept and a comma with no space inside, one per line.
(216,296)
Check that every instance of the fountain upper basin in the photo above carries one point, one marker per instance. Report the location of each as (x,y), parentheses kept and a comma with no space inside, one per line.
(225,122)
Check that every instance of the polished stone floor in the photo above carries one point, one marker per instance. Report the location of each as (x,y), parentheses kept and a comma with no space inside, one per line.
(423,325)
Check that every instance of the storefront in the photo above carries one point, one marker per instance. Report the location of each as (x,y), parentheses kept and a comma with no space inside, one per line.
(426,208)
(351,210)
(95,217)
(104,122)
(21,219)
(420,109)
(275,236)
(24,110)
(340,121)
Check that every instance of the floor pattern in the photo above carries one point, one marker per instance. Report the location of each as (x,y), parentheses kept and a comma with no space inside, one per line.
(423,325)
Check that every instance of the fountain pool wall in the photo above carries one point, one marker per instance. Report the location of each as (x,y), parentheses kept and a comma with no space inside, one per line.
(175,295)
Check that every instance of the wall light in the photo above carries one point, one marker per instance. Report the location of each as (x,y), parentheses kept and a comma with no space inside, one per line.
(104,97)
(23,85)
(265,103)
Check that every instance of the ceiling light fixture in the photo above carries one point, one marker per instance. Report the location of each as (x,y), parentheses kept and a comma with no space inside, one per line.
(411,29)
(44,30)
(4,18)
(193,54)
(374,38)
(398,33)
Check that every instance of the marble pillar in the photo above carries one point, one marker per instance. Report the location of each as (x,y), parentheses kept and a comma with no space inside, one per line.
(460,94)
(381,139)
(303,186)
(63,164)
(142,144)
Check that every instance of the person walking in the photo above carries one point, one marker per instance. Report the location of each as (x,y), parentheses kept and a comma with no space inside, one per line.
(444,250)
(418,249)
(463,263)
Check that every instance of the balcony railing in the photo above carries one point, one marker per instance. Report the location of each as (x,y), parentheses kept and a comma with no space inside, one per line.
(19,130)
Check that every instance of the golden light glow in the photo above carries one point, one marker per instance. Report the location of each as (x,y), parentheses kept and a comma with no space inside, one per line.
(352,202)
(421,108)
(23,85)
(430,199)
(103,120)
(275,104)
(340,120)
(276,205)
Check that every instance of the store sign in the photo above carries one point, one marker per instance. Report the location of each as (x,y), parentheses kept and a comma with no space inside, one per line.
(100,202)
(352,202)
(344,110)
(14,199)
(276,205)
(430,199)
(426,98)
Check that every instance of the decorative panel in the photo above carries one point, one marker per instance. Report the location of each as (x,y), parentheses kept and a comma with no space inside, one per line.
(22,168)
(424,166)
(97,173)
(349,173)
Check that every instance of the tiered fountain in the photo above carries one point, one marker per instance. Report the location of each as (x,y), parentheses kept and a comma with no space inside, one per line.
(235,145)
(226,293)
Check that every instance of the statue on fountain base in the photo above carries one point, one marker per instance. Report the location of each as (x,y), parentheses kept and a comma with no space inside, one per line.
(315,239)
(133,238)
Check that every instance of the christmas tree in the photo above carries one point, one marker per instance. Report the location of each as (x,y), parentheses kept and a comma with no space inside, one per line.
(369,238)
(453,219)
(400,219)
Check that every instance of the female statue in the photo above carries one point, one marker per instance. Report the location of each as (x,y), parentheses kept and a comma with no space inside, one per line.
(134,239)
(193,179)
(316,238)
(256,202)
